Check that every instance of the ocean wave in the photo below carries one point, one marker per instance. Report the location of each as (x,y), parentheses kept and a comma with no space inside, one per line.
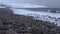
(45,16)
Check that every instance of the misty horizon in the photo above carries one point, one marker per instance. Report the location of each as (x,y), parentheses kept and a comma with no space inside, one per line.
(48,3)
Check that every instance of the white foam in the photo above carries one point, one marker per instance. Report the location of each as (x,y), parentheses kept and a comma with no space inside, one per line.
(18,11)
(42,15)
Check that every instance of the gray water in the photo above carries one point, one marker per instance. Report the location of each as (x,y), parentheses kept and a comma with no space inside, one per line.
(41,15)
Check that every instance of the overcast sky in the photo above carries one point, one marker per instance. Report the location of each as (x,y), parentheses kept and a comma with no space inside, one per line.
(49,3)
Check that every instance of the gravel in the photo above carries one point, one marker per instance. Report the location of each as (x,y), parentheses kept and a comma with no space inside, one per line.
(11,23)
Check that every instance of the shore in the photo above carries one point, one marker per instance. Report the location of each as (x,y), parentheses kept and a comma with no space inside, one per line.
(11,23)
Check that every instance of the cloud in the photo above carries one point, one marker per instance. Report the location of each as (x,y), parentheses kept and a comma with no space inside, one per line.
(49,3)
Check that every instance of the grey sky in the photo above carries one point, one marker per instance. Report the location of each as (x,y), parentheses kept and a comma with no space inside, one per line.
(49,3)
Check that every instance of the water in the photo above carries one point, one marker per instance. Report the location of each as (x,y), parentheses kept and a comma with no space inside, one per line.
(25,12)
(41,15)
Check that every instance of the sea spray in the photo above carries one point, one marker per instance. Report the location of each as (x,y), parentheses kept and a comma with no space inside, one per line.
(46,18)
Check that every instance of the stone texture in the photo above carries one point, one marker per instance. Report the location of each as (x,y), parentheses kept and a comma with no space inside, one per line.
(11,23)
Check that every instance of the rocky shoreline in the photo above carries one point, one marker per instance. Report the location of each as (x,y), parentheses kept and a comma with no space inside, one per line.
(11,23)
(55,20)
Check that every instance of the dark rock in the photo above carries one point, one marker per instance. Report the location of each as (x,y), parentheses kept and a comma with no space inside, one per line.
(16,24)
